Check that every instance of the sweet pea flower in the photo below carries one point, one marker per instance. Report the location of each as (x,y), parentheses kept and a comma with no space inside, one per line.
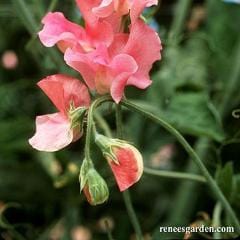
(56,131)
(124,159)
(107,61)
(127,61)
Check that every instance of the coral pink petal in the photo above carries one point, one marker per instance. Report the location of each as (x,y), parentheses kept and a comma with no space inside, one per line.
(52,133)
(124,63)
(81,63)
(105,9)
(64,90)
(138,7)
(122,6)
(139,80)
(100,33)
(54,90)
(118,44)
(58,29)
(130,167)
(86,7)
(118,86)
(115,21)
(138,46)
(122,66)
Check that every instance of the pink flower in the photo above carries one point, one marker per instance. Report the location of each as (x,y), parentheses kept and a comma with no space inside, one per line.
(127,61)
(57,130)
(124,159)
(108,61)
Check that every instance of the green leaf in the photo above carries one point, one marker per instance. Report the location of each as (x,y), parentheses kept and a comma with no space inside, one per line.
(193,114)
(224,178)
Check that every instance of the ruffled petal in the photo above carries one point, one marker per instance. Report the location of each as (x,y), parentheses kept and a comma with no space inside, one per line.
(139,80)
(118,86)
(52,133)
(122,6)
(64,90)
(58,30)
(105,9)
(122,67)
(138,7)
(88,64)
(100,33)
(123,63)
(118,44)
(81,63)
(86,7)
(138,46)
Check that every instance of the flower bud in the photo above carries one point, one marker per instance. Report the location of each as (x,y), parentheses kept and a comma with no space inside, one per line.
(124,159)
(92,184)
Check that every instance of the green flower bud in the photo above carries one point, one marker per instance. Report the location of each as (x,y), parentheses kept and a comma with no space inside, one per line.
(92,184)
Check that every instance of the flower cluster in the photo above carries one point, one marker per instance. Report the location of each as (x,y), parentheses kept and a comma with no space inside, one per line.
(114,49)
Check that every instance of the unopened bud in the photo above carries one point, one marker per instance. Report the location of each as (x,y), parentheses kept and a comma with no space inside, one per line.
(92,184)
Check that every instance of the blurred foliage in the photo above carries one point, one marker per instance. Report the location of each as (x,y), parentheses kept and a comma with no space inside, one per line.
(195,88)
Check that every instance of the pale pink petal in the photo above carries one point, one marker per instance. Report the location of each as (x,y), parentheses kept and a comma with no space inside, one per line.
(138,7)
(129,168)
(105,9)
(64,90)
(52,133)
(57,29)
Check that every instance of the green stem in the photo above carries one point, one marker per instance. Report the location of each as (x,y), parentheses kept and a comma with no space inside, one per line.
(193,155)
(132,214)
(171,174)
(126,194)
(90,123)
